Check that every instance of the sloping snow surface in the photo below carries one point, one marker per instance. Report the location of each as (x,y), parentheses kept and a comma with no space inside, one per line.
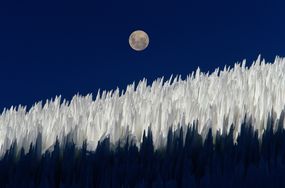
(216,100)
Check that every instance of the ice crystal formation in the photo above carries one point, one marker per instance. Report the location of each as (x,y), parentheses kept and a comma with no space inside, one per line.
(215,100)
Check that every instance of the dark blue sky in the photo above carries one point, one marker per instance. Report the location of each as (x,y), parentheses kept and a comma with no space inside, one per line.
(67,47)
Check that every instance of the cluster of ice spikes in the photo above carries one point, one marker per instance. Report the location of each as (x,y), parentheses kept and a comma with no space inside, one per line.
(216,100)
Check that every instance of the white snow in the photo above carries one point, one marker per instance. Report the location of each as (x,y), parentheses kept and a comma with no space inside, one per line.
(216,100)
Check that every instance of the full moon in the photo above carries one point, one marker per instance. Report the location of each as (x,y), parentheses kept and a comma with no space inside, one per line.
(138,40)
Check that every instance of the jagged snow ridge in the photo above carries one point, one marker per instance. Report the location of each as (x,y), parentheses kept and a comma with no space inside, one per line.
(216,100)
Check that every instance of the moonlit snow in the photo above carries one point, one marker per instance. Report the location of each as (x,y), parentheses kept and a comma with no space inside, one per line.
(216,100)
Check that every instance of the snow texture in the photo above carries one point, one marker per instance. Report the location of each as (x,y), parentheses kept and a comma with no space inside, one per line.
(216,100)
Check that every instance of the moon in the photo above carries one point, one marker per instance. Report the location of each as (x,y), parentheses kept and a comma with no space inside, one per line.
(138,40)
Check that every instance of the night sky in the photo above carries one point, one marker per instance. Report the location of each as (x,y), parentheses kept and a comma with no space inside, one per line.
(68,47)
